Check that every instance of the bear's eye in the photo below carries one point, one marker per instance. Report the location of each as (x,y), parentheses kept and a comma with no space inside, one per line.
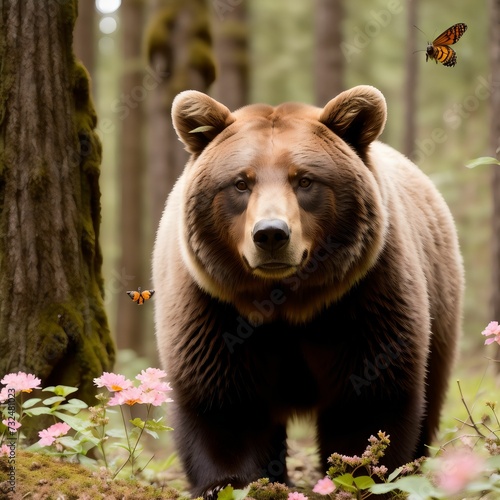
(304,182)
(241,186)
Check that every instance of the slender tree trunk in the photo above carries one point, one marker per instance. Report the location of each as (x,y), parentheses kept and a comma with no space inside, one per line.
(52,318)
(410,111)
(231,52)
(84,35)
(180,55)
(329,61)
(131,161)
(495,149)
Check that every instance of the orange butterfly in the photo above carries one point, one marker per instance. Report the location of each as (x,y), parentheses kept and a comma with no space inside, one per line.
(140,296)
(440,49)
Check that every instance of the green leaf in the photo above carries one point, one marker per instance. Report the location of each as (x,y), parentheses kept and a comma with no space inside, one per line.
(346,482)
(363,482)
(138,423)
(202,128)
(69,442)
(53,400)
(75,423)
(394,474)
(73,406)
(31,402)
(77,403)
(40,410)
(60,390)
(227,493)
(116,433)
(241,494)
(151,425)
(153,434)
(483,160)
(418,486)
(120,445)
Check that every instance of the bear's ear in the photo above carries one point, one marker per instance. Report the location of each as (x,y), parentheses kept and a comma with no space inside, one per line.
(357,116)
(198,118)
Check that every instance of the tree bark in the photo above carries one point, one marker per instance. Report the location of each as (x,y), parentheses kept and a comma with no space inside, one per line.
(410,111)
(131,161)
(495,151)
(179,48)
(231,52)
(52,318)
(84,35)
(329,62)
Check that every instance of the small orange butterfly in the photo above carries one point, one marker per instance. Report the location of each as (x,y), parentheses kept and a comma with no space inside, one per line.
(440,49)
(140,296)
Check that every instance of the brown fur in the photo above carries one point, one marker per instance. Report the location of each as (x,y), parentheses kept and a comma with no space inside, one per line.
(354,318)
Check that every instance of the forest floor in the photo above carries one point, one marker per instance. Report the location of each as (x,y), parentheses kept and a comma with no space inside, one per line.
(43,477)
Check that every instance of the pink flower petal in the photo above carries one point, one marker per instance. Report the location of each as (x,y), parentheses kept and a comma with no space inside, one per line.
(324,486)
(21,382)
(113,382)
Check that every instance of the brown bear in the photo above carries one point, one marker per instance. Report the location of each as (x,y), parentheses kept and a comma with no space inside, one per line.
(301,267)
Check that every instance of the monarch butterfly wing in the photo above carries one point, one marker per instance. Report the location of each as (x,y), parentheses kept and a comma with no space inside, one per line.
(445,55)
(147,294)
(451,35)
(134,295)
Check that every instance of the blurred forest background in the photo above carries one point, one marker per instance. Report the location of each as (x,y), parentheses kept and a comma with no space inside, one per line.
(140,53)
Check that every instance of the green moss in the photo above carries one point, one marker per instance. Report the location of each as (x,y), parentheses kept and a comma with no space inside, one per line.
(159,40)
(51,478)
(158,31)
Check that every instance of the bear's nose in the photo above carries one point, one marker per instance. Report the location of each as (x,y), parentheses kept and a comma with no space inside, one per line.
(271,234)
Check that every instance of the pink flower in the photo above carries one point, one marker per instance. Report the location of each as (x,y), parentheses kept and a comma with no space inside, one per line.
(49,435)
(113,382)
(458,468)
(21,382)
(296,496)
(12,425)
(4,450)
(155,398)
(129,396)
(324,486)
(493,328)
(151,375)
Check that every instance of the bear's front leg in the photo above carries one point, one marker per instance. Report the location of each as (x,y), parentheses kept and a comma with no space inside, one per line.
(235,446)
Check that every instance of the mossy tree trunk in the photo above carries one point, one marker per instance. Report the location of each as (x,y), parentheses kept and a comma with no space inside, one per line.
(84,35)
(179,48)
(52,317)
(232,54)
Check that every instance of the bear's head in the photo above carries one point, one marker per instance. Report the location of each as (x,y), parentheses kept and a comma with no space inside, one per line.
(281,204)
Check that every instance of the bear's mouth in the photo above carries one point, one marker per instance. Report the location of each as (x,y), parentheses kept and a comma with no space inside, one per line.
(274,270)
(274,265)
